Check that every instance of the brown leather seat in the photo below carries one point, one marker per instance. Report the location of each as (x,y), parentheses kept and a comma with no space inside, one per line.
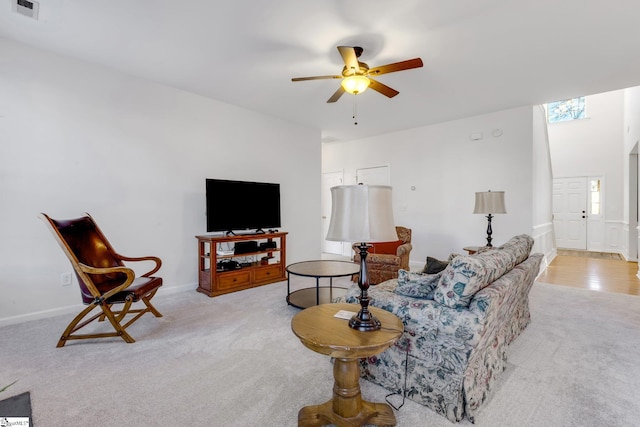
(103,278)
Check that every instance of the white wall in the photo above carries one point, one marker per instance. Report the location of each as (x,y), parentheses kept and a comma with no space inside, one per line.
(542,185)
(77,137)
(631,132)
(447,168)
(591,147)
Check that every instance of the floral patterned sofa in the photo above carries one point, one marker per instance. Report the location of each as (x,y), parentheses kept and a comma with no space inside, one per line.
(458,324)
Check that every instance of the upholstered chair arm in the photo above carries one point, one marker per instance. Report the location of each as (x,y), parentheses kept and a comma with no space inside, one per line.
(404,249)
(130,276)
(156,260)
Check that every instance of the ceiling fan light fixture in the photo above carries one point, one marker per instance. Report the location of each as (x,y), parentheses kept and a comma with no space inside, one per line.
(355,84)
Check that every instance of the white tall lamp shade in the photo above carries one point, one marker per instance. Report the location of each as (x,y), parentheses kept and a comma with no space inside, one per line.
(361,214)
(490,202)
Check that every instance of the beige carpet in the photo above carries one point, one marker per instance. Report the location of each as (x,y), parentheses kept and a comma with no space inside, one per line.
(233,361)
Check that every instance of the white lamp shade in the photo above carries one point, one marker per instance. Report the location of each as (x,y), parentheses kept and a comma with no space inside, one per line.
(361,213)
(490,202)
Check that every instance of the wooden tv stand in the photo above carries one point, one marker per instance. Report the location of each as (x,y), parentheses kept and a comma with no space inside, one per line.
(252,272)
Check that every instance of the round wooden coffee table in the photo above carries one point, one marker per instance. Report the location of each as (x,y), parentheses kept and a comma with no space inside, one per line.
(320,331)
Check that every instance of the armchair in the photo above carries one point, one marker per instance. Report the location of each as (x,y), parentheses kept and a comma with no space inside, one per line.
(103,278)
(386,258)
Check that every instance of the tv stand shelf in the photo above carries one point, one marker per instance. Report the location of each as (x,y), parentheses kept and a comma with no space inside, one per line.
(213,281)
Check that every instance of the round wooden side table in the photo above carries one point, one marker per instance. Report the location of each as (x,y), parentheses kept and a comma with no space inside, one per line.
(319,330)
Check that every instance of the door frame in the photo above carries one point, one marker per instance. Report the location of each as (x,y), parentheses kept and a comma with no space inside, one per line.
(329,247)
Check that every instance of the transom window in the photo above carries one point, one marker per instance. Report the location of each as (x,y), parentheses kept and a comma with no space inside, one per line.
(566,110)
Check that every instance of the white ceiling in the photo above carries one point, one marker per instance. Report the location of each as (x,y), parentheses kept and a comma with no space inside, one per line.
(479,55)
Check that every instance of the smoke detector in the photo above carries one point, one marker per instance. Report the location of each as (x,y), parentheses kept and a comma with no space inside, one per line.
(26,8)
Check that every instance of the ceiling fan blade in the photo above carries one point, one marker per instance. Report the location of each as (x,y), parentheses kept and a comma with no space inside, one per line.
(299,79)
(336,95)
(382,88)
(396,66)
(349,57)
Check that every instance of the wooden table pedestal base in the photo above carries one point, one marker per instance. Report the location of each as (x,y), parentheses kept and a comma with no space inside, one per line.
(346,409)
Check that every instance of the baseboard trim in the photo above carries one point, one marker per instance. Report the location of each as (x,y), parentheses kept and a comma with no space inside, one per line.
(75,309)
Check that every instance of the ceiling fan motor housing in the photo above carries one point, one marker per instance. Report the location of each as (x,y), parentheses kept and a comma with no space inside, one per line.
(363,70)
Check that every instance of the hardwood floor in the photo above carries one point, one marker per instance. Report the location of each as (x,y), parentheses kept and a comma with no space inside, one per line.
(592,273)
(584,271)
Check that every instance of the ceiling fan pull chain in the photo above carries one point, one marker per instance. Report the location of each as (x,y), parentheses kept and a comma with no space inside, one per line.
(355,109)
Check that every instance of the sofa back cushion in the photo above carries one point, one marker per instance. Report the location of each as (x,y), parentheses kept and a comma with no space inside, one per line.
(520,246)
(466,275)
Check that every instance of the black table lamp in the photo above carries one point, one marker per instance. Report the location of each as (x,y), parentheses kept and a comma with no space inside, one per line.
(490,202)
(362,213)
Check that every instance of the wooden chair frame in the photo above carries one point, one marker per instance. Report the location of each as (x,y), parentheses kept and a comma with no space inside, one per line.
(131,290)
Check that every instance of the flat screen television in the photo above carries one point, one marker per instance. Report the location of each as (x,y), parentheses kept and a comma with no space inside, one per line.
(242,205)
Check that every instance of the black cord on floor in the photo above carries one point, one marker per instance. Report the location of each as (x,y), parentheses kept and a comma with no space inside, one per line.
(404,389)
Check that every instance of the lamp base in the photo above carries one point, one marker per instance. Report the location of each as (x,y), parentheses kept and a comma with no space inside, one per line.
(489,231)
(364,321)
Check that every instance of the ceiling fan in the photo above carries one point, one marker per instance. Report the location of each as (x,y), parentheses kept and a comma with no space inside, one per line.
(357,76)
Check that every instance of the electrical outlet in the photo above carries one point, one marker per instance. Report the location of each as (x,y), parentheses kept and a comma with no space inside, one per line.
(65,279)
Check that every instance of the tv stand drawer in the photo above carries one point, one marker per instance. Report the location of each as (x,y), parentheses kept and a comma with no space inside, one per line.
(234,280)
(268,273)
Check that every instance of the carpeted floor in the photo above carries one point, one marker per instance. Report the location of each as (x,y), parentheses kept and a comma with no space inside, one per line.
(233,361)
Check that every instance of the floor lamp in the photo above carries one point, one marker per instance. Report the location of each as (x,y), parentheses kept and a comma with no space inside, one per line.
(362,213)
(490,202)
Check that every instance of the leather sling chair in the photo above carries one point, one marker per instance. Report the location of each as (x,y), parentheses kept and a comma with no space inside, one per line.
(103,278)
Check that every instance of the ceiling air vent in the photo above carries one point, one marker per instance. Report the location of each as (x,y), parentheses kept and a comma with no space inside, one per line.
(26,8)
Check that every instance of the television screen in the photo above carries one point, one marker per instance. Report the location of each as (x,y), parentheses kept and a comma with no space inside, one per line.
(242,205)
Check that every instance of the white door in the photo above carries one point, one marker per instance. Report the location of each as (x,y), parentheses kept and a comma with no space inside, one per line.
(570,212)
(373,176)
(329,180)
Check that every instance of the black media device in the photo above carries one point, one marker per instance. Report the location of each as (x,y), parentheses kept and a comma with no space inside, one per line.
(242,205)
(268,245)
(228,265)
(245,247)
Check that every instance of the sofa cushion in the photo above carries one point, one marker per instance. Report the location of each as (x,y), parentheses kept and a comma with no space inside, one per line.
(466,275)
(520,246)
(390,248)
(433,266)
(417,285)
